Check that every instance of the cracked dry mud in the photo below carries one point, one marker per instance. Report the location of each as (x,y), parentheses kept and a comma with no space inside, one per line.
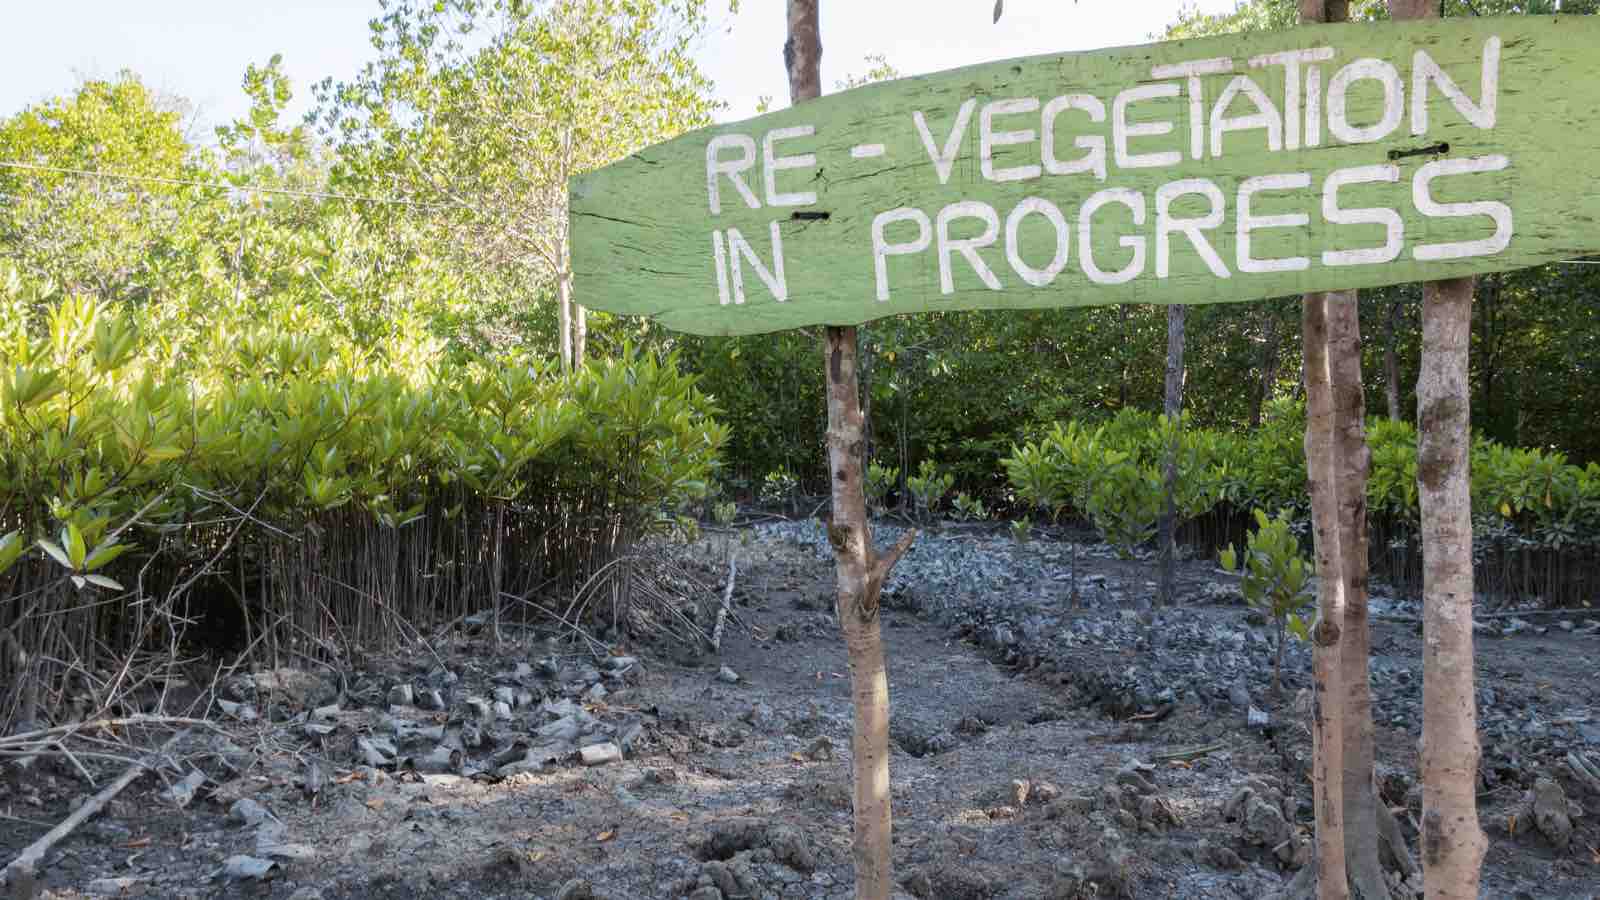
(1029,758)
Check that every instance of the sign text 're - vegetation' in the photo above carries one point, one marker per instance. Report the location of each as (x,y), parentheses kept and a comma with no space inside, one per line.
(1200,171)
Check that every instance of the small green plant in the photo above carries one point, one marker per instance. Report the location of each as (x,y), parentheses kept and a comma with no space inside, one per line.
(929,486)
(880,481)
(684,529)
(1022,530)
(969,509)
(1275,579)
(779,487)
(1124,501)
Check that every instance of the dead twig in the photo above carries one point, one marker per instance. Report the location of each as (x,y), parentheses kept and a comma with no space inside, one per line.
(47,736)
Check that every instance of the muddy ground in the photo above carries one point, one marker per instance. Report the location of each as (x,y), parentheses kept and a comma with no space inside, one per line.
(1040,751)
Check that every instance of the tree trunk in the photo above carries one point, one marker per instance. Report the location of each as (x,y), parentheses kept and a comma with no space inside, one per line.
(860,570)
(869,436)
(1352,462)
(1491,339)
(860,575)
(580,335)
(1269,368)
(1327,708)
(1336,459)
(1174,409)
(1391,361)
(1452,842)
(564,317)
(1127,357)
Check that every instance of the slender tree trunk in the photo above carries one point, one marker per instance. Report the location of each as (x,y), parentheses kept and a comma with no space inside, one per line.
(580,335)
(859,569)
(497,569)
(1269,368)
(1453,844)
(1127,357)
(564,317)
(1391,361)
(1328,327)
(1491,338)
(1352,459)
(1327,708)
(1174,409)
(869,434)
(860,576)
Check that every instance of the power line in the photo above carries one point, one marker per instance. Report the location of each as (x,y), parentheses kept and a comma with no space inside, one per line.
(216,185)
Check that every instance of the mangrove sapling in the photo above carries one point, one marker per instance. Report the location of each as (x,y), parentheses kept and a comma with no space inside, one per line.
(928,487)
(880,481)
(1275,579)
(1022,531)
(969,509)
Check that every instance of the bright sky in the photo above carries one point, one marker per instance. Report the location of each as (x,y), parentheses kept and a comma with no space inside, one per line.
(198,48)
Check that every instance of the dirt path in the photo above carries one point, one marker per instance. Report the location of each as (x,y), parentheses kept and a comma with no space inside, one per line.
(1009,778)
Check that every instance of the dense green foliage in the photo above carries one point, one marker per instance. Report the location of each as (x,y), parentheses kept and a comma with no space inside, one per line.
(318,492)
(1530,506)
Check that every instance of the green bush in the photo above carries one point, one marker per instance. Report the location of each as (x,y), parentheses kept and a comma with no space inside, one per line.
(967,508)
(325,493)
(1111,477)
(880,481)
(929,486)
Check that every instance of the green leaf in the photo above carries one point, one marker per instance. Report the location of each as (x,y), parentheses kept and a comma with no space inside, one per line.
(102,581)
(72,540)
(103,555)
(55,551)
(11,547)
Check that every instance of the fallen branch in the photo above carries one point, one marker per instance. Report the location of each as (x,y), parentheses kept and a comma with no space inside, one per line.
(727,603)
(22,870)
(49,736)
(1189,755)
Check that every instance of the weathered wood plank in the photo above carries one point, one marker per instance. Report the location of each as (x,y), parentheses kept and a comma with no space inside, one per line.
(1139,190)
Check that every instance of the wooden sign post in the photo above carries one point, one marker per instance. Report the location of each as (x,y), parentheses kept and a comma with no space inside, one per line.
(1329,158)
(1221,169)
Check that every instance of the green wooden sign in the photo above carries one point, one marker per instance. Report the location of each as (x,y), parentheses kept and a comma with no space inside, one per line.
(1204,171)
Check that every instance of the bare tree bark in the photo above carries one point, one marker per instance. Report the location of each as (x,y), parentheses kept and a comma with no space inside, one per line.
(1453,844)
(860,576)
(1174,409)
(1391,361)
(1331,656)
(1269,367)
(1327,708)
(859,569)
(580,335)
(564,316)
(1352,459)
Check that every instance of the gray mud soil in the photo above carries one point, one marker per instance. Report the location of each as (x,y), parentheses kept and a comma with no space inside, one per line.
(1043,749)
